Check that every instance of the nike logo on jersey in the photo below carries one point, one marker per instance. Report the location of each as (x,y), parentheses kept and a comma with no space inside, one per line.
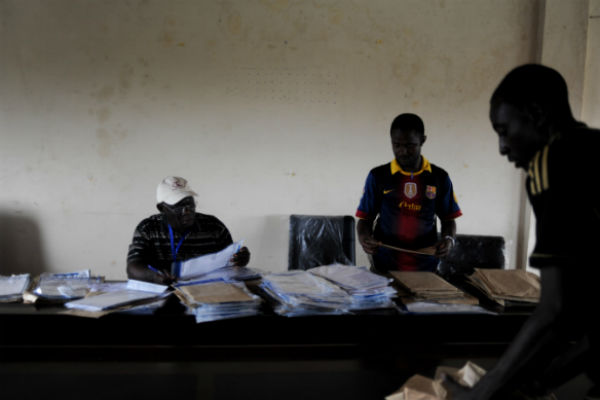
(388,191)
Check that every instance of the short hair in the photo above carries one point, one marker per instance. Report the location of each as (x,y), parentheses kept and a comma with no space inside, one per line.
(407,123)
(531,84)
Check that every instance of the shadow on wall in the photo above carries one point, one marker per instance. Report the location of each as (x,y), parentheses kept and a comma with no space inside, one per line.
(20,245)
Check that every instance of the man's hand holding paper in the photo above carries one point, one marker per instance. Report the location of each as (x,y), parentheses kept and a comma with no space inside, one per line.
(232,254)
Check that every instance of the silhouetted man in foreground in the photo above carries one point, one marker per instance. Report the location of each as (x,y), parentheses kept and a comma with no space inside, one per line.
(530,112)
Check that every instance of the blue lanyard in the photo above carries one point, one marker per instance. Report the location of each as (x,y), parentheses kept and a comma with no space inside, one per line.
(174,249)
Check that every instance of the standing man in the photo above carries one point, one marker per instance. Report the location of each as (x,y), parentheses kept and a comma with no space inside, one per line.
(178,233)
(401,201)
(536,130)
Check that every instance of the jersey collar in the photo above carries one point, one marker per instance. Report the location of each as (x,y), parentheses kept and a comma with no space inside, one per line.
(395,167)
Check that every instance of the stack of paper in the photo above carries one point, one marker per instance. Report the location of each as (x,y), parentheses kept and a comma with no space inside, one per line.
(507,285)
(65,286)
(367,290)
(302,293)
(426,292)
(12,287)
(136,292)
(201,265)
(211,301)
(230,273)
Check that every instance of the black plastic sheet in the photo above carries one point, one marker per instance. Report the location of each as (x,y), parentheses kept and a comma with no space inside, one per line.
(317,240)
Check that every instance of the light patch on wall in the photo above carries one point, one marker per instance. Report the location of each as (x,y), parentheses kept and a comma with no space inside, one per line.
(125,76)
(234,24)
(276,5)
(107,139)
(103,115)
(104,94)
(284,85)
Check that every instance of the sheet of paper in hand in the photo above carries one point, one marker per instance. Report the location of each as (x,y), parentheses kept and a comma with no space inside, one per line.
(207,263)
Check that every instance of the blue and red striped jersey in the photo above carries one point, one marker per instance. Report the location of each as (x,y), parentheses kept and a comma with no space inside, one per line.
(405,206)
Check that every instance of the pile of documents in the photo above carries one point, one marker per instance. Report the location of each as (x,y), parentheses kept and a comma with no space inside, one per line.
(507,286)
(367,290)
(61,287)
(422,291)
(229,273)
(202,265)
(119,297)
(12,287)
(299,293)
(215,300)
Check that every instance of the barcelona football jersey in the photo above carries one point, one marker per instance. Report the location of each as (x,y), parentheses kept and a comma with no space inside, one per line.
(405,206)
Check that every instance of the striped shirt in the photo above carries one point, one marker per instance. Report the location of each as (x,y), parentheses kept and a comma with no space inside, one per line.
(562,187)
(151,242)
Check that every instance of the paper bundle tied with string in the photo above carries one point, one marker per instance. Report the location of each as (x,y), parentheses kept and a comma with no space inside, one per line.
(419,387)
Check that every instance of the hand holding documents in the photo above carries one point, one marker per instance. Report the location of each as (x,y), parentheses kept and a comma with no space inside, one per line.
(207,263)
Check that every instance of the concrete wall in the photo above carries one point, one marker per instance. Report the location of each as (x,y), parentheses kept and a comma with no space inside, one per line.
(267,107)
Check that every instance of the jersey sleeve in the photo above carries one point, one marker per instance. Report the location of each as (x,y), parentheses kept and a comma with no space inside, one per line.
(567,217)
(447,208)
(370,202)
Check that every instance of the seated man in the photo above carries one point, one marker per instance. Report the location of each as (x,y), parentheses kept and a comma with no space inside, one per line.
(401,203)
(178,233)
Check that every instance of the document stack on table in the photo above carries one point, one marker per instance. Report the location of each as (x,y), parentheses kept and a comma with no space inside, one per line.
(367,290)
(507,287)
(205,264)
(133,294)
(426,292)
(62,287)
(229,273)
(215,300)
(12,287)
(299,293)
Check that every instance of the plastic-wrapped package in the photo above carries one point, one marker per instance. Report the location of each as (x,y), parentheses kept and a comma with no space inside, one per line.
(368,290)
(12,287)
(302,293)
(65,286)
(320,240)
(216,300)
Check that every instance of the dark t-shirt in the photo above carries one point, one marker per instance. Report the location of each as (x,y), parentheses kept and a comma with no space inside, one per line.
(562,185)
(151,242)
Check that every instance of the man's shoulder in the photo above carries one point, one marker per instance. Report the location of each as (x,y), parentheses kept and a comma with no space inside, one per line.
(207,218)
(577,147)
(438,171)
(151,222)
(383,169)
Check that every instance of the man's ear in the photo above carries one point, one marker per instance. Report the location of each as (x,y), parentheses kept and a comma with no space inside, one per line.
(423,141)
(537,114)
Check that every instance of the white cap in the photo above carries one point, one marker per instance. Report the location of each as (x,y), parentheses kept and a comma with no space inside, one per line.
(172,190)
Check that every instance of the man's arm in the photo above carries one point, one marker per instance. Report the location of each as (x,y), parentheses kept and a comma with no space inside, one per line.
(364,228)
(532,341)
(445,244)
(140,271)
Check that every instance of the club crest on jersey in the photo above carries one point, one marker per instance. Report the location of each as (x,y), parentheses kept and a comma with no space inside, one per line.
(430,192)
(410,189)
